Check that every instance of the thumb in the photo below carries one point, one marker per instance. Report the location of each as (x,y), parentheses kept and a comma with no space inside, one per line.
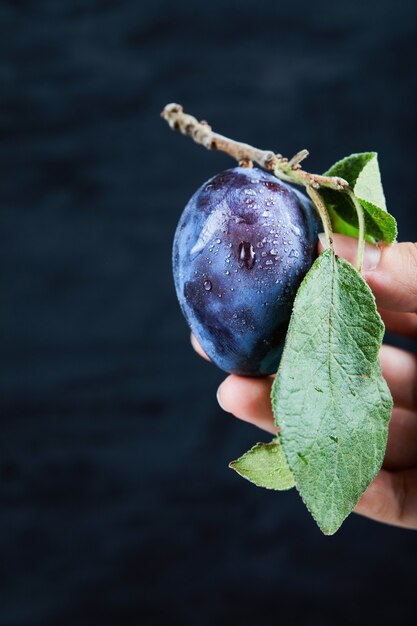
(389,270)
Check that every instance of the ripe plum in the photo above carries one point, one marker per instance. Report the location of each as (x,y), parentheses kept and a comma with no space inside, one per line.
(241,249)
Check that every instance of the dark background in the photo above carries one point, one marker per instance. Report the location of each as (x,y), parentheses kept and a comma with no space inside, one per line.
(116,503)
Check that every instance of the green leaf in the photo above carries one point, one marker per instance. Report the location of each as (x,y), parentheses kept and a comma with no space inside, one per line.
(329,397)
(265,466)
(340,226)
(368,185)
(362,173)
(352,166)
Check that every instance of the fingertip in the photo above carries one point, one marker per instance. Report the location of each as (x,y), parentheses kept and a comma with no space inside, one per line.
(322,245)
(248,399)
(219,397)
(227,393)
(195,344)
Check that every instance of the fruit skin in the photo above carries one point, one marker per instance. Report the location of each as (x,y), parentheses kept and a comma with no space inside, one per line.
(241,249)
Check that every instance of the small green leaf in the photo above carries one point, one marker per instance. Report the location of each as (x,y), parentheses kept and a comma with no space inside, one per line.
(368,185)
(351,167)
(329,397)
(265,466)
(362,173)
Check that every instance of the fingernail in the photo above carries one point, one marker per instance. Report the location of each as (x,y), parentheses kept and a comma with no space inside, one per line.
(372,253)
(371,257)
(322,239)
(218,396)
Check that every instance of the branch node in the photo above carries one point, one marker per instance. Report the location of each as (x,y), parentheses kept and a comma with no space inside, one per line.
(269,160)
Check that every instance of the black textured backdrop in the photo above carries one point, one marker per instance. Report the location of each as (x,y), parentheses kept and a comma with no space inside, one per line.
(116,504)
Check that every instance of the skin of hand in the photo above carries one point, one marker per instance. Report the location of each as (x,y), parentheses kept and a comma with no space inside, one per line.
(391,273)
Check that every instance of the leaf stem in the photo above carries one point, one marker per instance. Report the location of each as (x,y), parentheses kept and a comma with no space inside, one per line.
(321,208)
(286,169)
(361,224)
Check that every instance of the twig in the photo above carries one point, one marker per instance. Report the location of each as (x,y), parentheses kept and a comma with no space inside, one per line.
(297,158)
(289,170)
(327,225)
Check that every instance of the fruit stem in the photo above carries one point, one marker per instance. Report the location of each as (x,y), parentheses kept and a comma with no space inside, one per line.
(361,224)
(321,208)
(286,169)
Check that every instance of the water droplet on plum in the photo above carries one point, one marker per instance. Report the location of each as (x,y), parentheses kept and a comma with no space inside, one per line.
(246,255)
(207,285)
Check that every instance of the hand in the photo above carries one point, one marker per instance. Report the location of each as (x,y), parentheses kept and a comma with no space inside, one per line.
(391,272)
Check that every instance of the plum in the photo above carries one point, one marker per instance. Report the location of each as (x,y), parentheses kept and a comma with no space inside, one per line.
(241,249)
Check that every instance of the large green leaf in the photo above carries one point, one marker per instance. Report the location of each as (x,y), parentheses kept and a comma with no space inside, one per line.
(362,173)
(265,466)
(329,397)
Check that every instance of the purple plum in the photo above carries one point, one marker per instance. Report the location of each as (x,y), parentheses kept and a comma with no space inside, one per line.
(241,249)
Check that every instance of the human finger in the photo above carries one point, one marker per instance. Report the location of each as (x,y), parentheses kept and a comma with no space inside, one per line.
(198,348)
(400,323)
(399,369)
(249,400)
(390,271)
(391,498)
(401,452)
